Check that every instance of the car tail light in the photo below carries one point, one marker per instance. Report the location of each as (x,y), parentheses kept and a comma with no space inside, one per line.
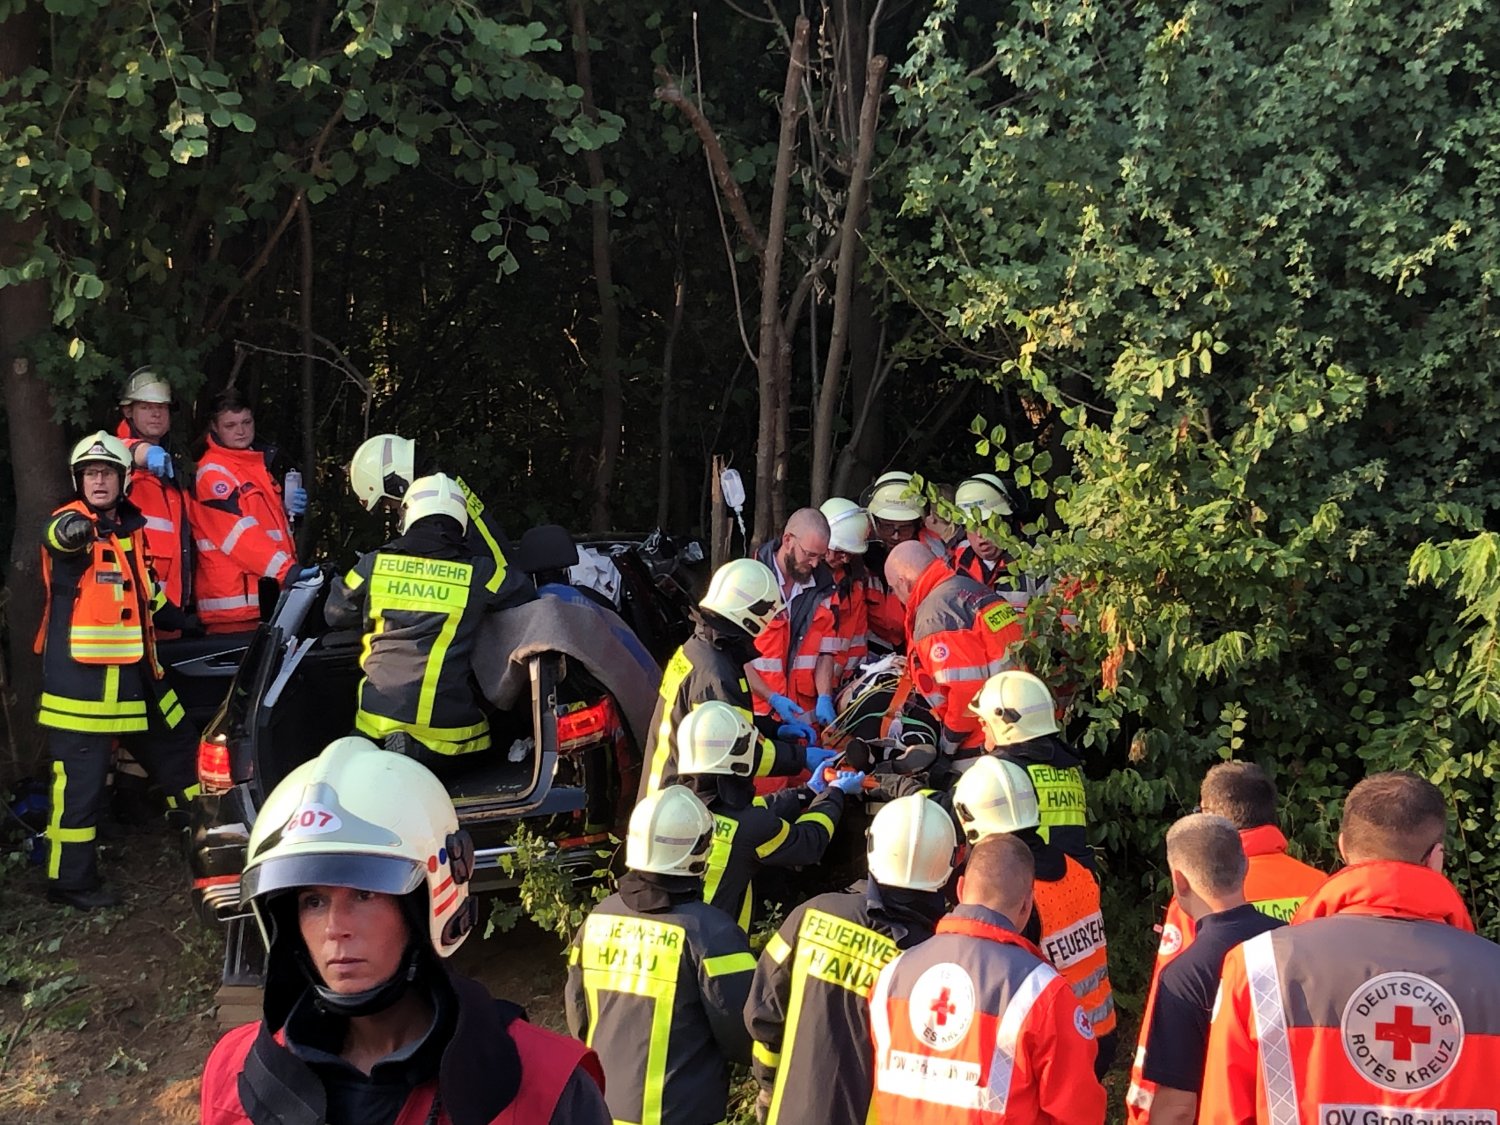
(213,765)
(584,724)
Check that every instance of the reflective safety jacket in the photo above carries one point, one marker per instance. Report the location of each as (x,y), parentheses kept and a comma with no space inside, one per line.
(972,1027)
(509,584)
(1275,884)
(661,997)
(241,531)
(166,540)
(1071,918)
(1018,589)
(1378,1005)
(420,613)
(96,639)
(809,1010)
(789,646)
(883,610)
(707,666)
(959,634)
(761,834)
(1057,775)
(851,622)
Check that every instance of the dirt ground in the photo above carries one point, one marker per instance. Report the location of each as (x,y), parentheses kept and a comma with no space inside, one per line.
(106,1018)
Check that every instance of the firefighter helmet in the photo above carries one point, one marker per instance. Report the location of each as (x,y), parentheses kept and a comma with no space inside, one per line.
(1015,706)
(994,796)
(744,593)
(889,500)
(670,833)
(436,495)
(715,738)
(101,448)
(848,525)
(145,385)
(911,844)
(383,467)
(361,817)
(984,495)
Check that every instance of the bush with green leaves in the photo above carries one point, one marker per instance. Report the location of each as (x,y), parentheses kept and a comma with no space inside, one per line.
(1235,265)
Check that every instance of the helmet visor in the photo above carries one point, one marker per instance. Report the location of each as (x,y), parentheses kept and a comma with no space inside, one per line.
(383,874)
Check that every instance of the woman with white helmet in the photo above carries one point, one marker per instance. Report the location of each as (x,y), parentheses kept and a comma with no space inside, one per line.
(358,876)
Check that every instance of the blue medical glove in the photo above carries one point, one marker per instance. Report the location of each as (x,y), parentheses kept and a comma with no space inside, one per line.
(159,462)
(296,502)
(849,780)
(788,710)
(817,782)
(788,731)
(816,758)
(823,712)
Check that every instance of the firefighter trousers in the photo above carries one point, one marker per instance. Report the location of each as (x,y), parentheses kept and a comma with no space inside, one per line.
(80,774)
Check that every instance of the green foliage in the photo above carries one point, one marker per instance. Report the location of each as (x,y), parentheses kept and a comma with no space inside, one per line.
(1236,265)
(555,894)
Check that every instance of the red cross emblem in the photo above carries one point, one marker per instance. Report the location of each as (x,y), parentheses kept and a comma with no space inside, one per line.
(943,1007)
(1402,1033)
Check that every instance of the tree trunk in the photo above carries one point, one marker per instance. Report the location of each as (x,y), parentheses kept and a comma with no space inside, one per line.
(37,453)
(611,399)
(844,284)
(664,430)
(772,365)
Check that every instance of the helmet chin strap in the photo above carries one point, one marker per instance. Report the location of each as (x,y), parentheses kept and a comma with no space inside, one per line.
(371,1000)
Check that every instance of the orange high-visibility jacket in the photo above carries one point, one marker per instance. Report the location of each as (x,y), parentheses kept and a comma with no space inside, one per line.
(241,531)
(166,540)
(789,646)
(1072,939)
(959,634)
(1377,1004)
(1275,884)
(851,621)
(973,1027)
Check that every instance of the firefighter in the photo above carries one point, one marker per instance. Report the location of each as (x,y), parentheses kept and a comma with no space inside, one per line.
(657,978)
(101,680)
(973,1027)
(996,796)
(958,634)
(157,482)
(797,649)
(895,518)
(1374,1004)
(809,1006)
(1208,865)
(1276,885)
(742,598)
(241,520)
(716,758)
(1019,719)
(848,540)
(384,467)
(420,600)
(358,876)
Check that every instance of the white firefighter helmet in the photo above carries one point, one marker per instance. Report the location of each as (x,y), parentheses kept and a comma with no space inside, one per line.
(715,738)
(848,525)
(1015,706)
(670,833)
(436,495)
(362,817)
(101,448)
(995,796)
(983,495)
(911,843)
(382,467)
(889,499)
(744,592)
(145,385)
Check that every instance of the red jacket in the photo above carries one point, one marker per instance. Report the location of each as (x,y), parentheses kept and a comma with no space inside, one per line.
(1276,884)
(973,1027)
(790,645)
(241,532)
(851,622)
(959,634)
(166,539)
(1378,1004)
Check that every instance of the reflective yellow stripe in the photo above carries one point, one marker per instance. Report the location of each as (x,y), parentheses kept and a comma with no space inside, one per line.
(775,841)
(765,1056)
(777,948)
(440,740)
(718,855)
(354,580)
(1281,908)
(475,507)
(54,820)
(729,963)
(818,818)
(62,721)
(114,707)
(638,957)
(676,672)
(767,761)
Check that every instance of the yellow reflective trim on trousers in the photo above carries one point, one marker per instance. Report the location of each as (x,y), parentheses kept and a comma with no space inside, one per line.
(727,963)
(775,841)
(440,740)
(676,671)
(54,820)
(765,1056)
(638,957)
(777,948)
(112,686)
(818,818)
(58,721)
